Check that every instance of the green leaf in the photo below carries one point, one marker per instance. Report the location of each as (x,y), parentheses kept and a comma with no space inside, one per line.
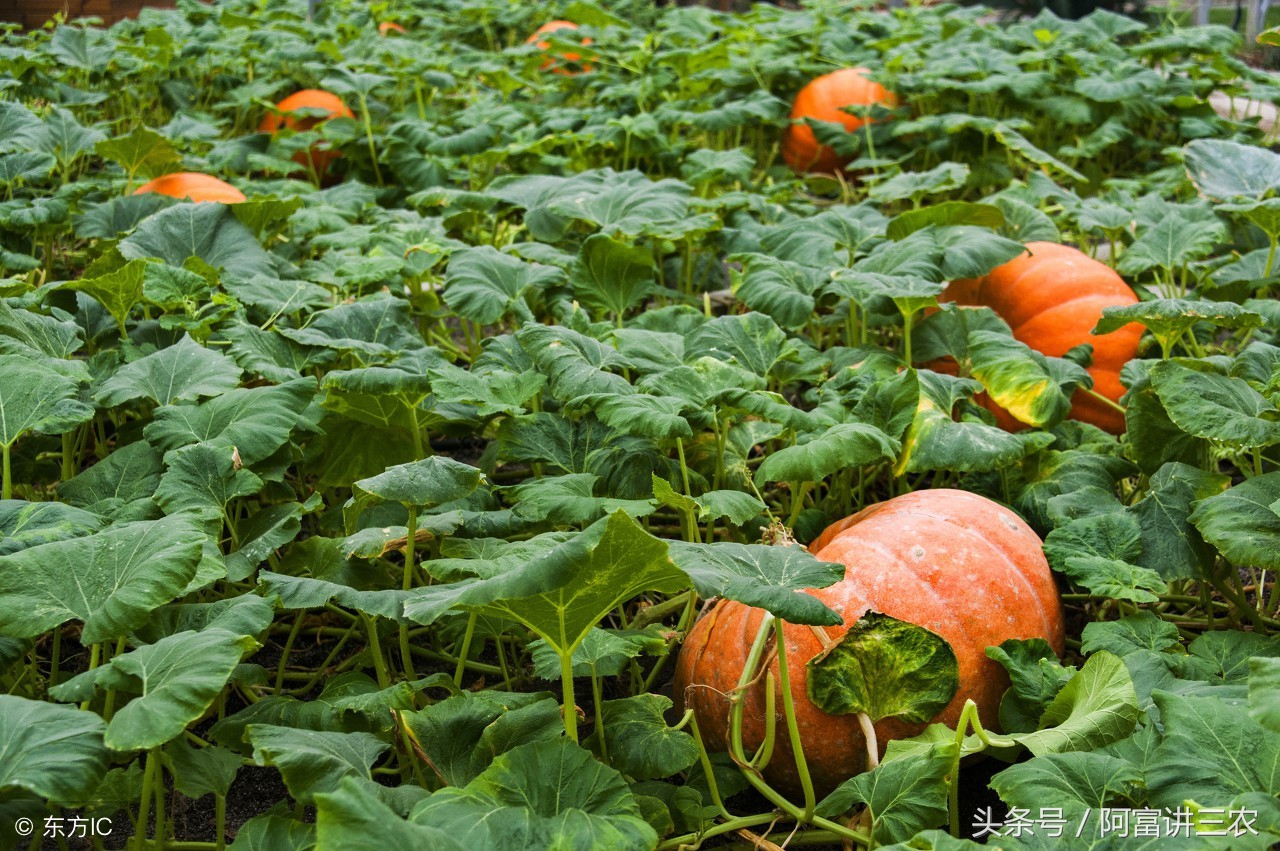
(278,830)
(769,577)
(427,483)
(575,364)
(28,524)
(119,486)
(25,166)
(1106,577)
(118,290)
(304,592)
(377,326)
(53,752)
(944,214)
(1243,756)
(202,480)
(255,421)
(247,614)
(886,668)
(1264,692)
(640,744)
(1096,707)
(1035,675)
(1171,545)
(179,677)
(1141,630)
(122,574)
(1115,535)
(1018,379)
(34,397)
(142,151)
(549,794)
(1222,658)
(1076,782)
(1224,171)
(904,796)
(563,593)
(570,500)
(603,653)
(208,231)
(463,734)
(971,252)
(639,414)
(352,817)
(313,762)
(612,276)
(782,289)
(1173,242)
(752,341)
(1241,522)
(1169,318)
(182,372)
(839,447)
(497,391)
(483,284)
(917,184)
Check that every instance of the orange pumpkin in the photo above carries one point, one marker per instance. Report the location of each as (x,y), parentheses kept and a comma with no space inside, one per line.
(951,561)
(317,157)
(193,187)
(822,100)
(1052,297)
(550,27)
(388,27)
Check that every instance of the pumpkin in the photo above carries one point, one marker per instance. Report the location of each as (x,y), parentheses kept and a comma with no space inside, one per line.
(1052,297)
(317,157)
(388,27)
(193,187)
(822,100)
(550,27)
(951,561)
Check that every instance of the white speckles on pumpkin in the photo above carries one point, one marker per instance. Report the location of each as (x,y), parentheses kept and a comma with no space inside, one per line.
(1013,524)
(917,552)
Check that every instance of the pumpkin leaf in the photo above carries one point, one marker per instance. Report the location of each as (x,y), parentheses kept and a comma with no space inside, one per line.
(1264,692)
(122,574)
(640,744)
(352,816)
(1097,706)
(1171,544)
(313,762)
(1079,782)
(54,752)
(1241,521)
(903,795)
(886,668)
(541,795)
(768,577)
(840,446)
(1224,170)
(182,372)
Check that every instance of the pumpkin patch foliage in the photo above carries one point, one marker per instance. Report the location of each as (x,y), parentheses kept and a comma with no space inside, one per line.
(485,425)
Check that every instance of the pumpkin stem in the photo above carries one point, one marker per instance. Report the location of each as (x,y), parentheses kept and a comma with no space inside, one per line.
(873,744)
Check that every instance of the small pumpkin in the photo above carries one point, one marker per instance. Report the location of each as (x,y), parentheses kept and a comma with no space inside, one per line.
(566,58)
(1052,297)
(821,99)
(389,27)
(192,186)
(951,561)
(317,157)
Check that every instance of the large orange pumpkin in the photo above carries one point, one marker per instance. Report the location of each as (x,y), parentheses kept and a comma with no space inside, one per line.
(550,27)
(281,117)
(951,561)
(1052,297)
(193,186)
(822,100)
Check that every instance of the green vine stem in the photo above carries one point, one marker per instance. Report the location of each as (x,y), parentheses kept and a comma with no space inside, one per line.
(460,671)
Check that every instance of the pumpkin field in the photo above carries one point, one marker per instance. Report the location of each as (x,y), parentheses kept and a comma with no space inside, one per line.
(474,424)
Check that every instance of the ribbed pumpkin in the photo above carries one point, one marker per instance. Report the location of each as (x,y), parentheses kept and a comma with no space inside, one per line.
(320,158)
(951,561)
(192,186)
(1052,297)
(822,100)
(550,27)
